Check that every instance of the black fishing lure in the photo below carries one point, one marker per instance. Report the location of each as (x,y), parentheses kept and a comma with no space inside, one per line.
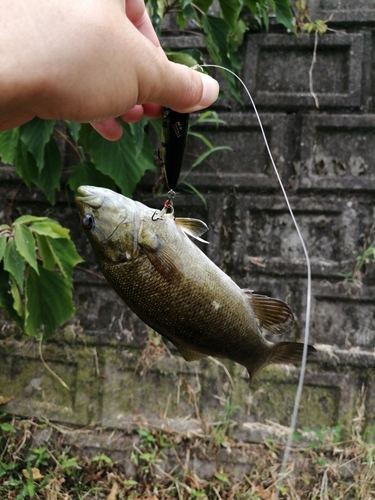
(174,136)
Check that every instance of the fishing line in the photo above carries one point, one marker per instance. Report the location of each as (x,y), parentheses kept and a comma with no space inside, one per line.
(308,296)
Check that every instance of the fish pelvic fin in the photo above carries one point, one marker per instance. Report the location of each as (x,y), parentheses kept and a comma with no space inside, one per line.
(283,353)
(272,315)
(193,227)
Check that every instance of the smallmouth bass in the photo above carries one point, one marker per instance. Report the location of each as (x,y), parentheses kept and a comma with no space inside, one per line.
(171,285)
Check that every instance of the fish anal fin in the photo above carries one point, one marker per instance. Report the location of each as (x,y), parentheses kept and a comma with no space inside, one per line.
(193,227)
(273,315)
(289,352)
(162,260)
(189,354)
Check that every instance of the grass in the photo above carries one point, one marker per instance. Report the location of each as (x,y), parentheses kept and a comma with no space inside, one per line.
(43,460)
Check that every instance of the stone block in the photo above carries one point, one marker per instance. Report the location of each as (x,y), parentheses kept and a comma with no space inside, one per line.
(263,233)
(246,164)
(343,316)
(337,151)
(276,69)
(343,11)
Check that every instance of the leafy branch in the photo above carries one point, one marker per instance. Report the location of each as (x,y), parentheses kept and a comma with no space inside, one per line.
(37,258)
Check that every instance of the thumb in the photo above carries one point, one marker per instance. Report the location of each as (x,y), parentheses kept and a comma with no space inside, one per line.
(183,89)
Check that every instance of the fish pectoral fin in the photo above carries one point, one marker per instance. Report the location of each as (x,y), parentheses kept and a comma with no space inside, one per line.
(193,227)
(289,352)
(162,260)
(273,315)
(189,354)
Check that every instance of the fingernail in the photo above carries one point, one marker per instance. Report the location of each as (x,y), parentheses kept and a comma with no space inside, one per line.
(210,91)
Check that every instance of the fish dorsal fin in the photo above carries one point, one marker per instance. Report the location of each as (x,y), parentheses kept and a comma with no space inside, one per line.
(161,258)
(273,315)
(193,227)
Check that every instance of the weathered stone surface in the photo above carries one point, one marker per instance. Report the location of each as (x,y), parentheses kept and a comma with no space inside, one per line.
(343,11)
(337,151)
(277,67)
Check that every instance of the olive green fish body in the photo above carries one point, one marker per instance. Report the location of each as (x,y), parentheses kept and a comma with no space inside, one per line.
(176,289)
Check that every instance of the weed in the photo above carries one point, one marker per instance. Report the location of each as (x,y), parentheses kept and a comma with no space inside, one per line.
(324,466)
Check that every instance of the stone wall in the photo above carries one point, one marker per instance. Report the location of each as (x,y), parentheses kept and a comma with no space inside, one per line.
(120,374)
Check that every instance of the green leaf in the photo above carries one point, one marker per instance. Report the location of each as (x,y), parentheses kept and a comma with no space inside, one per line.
(157,13)
(6,296)
(51,228)
(45,251)
(188,12)
(74,129)
(252,5)
(186,186)
(181,58)
(202,138)
(66,257)
(7,428)
(157,126)
(209,117)
(8,145)
(119,160)
(3,242)
(85,173)
(49,176)
(48,302)
(102,458)
(17,302)
(26,219)
(203,5)
(284,14)
(216,38)
(25,244)
(35,134)
(231,10)
(239,32)
(204,155)
(14,263)
(181,20)
(25,164)
(222,477)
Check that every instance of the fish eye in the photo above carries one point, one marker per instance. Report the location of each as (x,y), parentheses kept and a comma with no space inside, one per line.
(88,221)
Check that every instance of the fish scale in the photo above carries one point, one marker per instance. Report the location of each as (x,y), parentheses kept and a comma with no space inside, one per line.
(176,289)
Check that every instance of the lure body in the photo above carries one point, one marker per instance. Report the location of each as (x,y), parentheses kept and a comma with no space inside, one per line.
(175,128)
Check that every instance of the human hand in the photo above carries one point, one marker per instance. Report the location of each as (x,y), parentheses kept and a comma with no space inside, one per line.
(90,61)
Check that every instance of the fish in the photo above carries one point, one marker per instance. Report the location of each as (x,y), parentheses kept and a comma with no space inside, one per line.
(151,261)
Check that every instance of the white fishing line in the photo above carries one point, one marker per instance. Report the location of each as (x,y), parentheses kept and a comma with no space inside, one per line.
(308,295)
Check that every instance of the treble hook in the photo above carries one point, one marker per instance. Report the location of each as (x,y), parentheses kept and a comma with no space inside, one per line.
(168,205)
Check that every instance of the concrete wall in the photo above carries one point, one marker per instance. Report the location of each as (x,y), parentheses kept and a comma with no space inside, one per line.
(119,373)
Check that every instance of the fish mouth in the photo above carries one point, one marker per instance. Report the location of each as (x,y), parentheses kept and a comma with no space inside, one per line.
(92,196)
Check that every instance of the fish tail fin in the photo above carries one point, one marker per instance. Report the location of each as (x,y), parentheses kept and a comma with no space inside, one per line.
(283,353)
